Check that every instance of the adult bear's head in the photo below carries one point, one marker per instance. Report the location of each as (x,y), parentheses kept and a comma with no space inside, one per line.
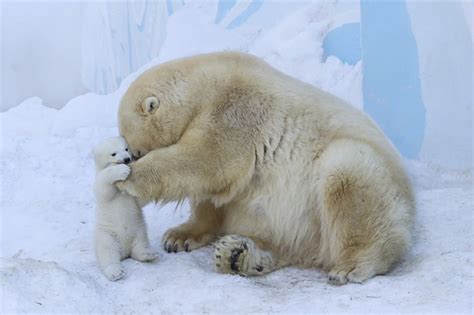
(161,103)
(164,101)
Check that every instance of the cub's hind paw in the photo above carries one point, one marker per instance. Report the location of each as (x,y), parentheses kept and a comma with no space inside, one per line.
(146,255)
(114,272)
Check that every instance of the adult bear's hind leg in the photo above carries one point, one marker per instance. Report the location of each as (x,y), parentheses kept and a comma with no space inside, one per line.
(241,255)
(365,214)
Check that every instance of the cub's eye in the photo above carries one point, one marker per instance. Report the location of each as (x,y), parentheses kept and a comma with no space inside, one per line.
(126,149)
(114,154)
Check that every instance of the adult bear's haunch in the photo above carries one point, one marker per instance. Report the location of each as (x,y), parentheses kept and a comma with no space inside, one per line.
(283,172)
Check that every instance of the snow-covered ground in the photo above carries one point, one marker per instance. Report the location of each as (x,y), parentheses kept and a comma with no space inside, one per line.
(47,261)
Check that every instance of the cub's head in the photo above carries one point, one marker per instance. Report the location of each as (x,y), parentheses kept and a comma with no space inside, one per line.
(159,105)
(112,151)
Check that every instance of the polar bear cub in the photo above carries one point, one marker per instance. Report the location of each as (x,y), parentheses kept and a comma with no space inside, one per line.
(120,228)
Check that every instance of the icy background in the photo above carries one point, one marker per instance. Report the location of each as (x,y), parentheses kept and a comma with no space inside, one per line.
(57,50)
(47,206)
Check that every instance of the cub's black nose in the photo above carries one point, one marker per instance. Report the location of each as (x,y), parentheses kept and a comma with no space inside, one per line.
(126,160)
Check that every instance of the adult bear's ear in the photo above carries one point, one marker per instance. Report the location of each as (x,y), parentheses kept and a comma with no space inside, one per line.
(150,105)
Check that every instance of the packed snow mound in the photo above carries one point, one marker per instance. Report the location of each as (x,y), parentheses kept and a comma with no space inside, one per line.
(295,46)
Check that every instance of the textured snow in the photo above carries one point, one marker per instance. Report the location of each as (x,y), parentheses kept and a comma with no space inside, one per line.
(299,51)
(47,261)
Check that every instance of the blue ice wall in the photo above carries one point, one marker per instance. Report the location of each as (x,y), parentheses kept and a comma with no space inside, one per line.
(169,7)
(225,6)
(391,84)
(344,43)
(173,5)
(248,12)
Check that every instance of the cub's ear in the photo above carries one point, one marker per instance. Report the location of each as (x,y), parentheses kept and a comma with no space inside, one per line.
(150,104)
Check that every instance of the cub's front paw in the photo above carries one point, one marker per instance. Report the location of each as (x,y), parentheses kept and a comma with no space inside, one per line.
(121,172)
(114,272)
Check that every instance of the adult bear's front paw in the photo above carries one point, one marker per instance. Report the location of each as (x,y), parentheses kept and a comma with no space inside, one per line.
(185,238)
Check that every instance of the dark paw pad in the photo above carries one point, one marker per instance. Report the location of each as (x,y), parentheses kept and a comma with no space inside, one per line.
(234,258)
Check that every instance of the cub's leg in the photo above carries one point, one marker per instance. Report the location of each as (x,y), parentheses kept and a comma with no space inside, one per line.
(141,247)
(366,212)
(109,256)
(200,230)
(241,255)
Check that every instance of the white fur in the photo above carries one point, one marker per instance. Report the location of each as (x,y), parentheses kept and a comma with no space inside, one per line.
(296,174)
(120,227)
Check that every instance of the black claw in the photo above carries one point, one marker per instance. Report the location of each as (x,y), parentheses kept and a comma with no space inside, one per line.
(259,268)
(245,246)
(186,247)
(175,248)
(234,257)
(164,246)
(218,256)
(169,248)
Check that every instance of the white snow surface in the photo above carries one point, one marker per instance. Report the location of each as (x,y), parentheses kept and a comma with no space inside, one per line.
(47,211)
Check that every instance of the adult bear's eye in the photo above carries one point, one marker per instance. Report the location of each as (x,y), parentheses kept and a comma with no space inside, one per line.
(114,154)
(126,149)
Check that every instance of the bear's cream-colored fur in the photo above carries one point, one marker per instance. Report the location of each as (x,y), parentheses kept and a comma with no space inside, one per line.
(283,172)
(120,228)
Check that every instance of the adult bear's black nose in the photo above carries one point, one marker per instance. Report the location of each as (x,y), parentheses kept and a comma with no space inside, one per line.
(126,160)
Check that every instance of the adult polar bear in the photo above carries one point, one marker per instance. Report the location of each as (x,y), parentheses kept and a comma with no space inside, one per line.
(286,173)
